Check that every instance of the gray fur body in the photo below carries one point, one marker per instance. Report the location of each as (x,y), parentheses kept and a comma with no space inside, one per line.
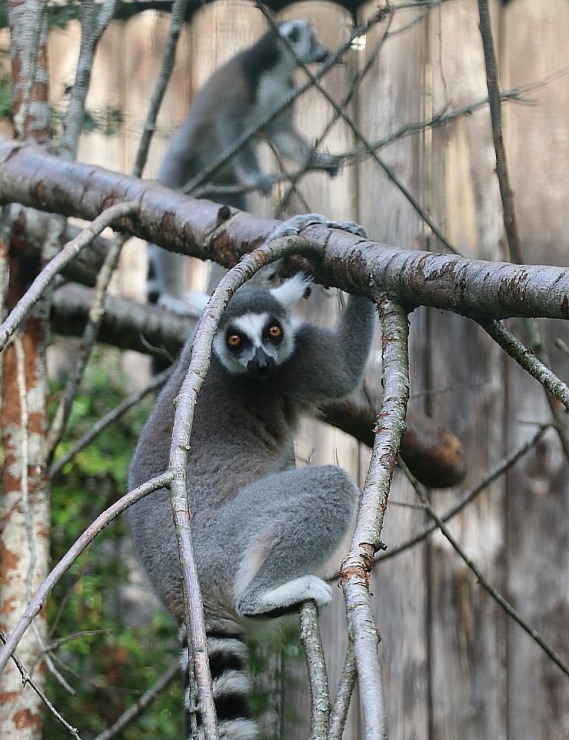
(262,532)
(239,95)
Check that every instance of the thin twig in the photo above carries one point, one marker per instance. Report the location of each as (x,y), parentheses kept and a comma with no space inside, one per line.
(138,708)
(53,268)
(97,526)
(168,59)
(339,714)
(27,679)
(482,580)
(317,674)
(109,419)
(493,474)
(506,191)
(526,359)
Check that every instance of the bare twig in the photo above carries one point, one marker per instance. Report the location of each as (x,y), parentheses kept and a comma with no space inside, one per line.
(355,570)
(138,708)
(339,714)
(87,345)
(493,474)
(506,192)
(108,419)
(527,360)
(54,267)
(482,580)
(27,679)
(317,674)
(168,59)
(71,556)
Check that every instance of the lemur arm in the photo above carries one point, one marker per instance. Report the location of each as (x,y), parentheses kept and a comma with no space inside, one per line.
(329,364)
(291,144)
(244,162)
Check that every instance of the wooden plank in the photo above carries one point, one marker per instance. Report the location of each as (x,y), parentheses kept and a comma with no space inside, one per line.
(535,48)
(390,96)
(467,650)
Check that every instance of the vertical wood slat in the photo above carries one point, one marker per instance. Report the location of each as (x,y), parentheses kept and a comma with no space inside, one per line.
(535,48)
(390,96)
(466,628)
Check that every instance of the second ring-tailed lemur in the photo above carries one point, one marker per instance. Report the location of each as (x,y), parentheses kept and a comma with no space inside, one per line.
(238,96)
(262,531)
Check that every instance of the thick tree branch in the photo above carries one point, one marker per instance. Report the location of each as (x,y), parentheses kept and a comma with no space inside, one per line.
(470,287)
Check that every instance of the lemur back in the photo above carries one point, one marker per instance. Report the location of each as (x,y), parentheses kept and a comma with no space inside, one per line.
(238,95)
(263,531)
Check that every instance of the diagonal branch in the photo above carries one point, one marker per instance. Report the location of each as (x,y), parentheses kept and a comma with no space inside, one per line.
(483,581)
(97,526)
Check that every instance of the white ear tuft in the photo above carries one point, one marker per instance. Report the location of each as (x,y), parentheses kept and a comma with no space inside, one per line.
(290,292)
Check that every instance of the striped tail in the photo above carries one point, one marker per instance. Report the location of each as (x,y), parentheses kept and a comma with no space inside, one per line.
(231,687)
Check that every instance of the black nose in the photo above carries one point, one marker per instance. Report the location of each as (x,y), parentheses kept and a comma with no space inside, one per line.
(261,365)
(320,54)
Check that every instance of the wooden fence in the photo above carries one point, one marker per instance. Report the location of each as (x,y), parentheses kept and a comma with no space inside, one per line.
(455,666)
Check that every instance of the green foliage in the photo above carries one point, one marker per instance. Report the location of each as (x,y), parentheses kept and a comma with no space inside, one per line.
(106,120)
(108,663)
(5,85)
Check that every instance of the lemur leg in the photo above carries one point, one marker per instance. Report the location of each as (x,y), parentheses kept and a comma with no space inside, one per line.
(299,520)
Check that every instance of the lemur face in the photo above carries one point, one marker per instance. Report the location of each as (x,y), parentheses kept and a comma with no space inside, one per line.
(257,343)
(301,38)
(257,333)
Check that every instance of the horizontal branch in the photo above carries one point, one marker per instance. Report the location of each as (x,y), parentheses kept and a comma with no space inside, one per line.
(470,287)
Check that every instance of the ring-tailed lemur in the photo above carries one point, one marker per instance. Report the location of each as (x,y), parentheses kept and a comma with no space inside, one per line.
(238,96)
(262,531)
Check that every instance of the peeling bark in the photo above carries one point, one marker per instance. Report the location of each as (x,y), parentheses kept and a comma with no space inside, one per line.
(26,502)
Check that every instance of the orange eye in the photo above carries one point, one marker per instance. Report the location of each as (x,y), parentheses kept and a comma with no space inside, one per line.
(275,331)
(234,340)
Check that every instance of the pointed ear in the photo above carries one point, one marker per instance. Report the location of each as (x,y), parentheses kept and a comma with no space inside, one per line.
(290,292)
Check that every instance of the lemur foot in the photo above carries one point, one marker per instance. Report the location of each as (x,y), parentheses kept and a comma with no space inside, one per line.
(296,224)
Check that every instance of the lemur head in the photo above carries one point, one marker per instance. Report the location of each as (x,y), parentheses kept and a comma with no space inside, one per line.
(301,38)
(257,332)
